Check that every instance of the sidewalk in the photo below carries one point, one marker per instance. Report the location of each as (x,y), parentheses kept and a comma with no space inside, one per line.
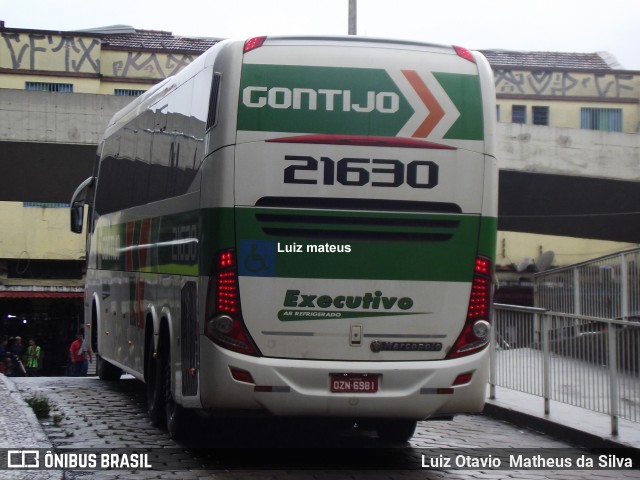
(581,427)
(20,429)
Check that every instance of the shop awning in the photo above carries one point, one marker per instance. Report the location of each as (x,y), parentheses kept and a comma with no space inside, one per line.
(27,294)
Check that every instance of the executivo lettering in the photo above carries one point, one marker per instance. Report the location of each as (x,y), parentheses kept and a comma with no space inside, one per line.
(302,306)
(374,301)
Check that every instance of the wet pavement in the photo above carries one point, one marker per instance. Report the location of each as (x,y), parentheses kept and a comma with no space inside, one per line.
(99,416)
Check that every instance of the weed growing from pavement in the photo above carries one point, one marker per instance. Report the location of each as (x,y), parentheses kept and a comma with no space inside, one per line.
(57,419)
(40,405)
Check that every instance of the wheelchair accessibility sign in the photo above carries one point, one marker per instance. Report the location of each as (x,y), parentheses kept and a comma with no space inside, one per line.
(257,258)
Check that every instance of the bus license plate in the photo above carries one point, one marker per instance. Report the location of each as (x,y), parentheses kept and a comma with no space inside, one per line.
(354,383)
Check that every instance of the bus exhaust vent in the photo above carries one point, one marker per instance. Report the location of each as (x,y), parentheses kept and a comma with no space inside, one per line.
(189,339)
(358,219)
(212,116)
(361,204)
(357,227)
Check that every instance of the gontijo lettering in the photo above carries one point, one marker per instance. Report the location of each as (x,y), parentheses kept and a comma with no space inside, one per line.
(374,301)
(307,98)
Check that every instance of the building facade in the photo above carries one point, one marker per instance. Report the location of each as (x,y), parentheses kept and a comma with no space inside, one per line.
(58,90)
(570,90)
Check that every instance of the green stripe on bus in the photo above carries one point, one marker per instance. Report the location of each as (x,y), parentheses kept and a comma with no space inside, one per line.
(384,250)
(179,244)
(376,247)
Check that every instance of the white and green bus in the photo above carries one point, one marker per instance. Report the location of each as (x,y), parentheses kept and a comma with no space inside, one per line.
(301,227)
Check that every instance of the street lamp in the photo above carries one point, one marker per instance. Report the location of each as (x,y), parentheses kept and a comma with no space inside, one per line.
(353,17)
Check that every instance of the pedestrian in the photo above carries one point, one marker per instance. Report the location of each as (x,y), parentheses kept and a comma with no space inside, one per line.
(81,355)
(17,351)
(8,365)
(4,342)
(34,358)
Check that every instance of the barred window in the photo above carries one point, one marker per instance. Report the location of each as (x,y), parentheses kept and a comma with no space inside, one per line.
(606,119)
(127,92)
(45,205)
(49,87)
(540,115)
(518,114)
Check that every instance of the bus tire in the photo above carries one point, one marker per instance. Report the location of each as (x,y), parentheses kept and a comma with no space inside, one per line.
(154,389)
(107,371)
(396,430)
(176,415)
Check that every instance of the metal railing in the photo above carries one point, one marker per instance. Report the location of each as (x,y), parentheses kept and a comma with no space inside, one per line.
(585,361)
(606,287)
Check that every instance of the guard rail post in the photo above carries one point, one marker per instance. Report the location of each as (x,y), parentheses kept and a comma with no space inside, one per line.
(493,354)
(546,359)
(613,377)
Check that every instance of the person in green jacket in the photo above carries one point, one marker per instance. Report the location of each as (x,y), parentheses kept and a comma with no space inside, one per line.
(34,357)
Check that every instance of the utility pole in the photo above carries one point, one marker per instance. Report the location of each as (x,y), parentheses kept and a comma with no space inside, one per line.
(353,17)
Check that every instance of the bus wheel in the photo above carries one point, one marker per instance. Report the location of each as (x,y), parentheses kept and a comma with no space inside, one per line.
(155,392)
(396,430)
(106,371)
(174,413)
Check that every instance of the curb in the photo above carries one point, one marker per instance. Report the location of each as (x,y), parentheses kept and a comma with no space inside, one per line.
(27,430)
(579,438)
(34,434)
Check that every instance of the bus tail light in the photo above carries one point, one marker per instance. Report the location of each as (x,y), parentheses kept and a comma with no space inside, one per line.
(253,43)
(464,53)
(224,324)
(475,334)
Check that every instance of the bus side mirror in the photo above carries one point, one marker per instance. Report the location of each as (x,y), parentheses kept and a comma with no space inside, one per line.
(77,205)
(77,216)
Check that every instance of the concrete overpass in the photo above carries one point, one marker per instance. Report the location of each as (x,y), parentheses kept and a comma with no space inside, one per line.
(569,182)
(554,181)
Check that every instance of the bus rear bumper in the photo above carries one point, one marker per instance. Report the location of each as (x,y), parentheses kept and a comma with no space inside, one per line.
(292,387)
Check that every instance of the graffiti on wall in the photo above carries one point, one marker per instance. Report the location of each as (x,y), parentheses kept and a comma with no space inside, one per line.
(39,52)
(150,64)
(78,54)
(566,84)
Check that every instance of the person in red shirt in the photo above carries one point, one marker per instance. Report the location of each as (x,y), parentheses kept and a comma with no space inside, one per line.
(81,355)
